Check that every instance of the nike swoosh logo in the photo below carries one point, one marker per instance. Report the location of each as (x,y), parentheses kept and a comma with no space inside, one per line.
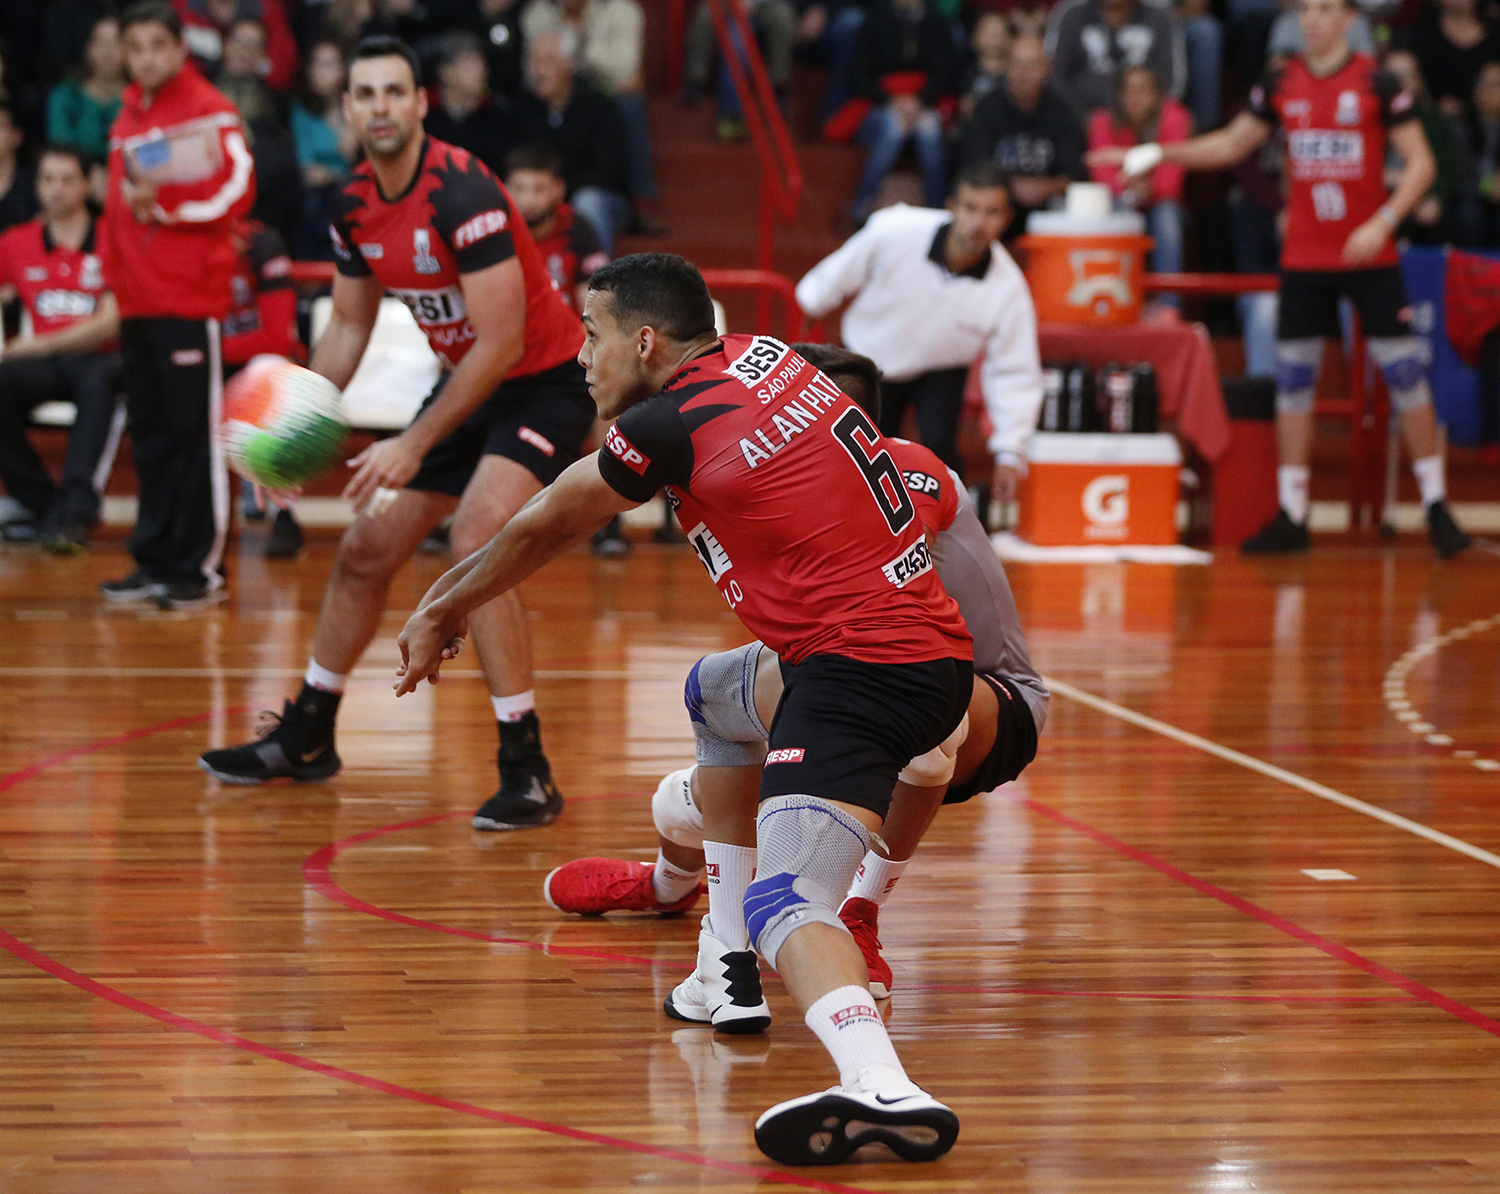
(313,755)
(891,1102)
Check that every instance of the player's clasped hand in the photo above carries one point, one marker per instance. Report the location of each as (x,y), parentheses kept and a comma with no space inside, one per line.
(427,641)
(385,464)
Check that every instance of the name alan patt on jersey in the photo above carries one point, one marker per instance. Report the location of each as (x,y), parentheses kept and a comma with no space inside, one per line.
(765,361)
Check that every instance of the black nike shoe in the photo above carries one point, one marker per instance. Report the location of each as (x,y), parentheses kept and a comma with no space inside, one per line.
(1448,538)
(286,538)
(527,797)
(296,745)
(1281,534)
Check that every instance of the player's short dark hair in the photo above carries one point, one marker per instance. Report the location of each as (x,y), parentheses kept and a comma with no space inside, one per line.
(455,44)
(153,12)
(856,375)
(8,110)
(384,46)
(535,157)
(983,175)
(657,290)
(54,149)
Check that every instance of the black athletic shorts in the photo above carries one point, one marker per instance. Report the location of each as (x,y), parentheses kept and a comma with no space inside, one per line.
(1015,743)
(844,729)
(540,421)
(1310,302)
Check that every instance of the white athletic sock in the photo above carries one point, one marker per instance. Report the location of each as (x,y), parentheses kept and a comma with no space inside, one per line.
(671,883)
(513,708)
(1291,488)
(877,877)
(1432,478)
(846,1021)
(730,869)
(322,678)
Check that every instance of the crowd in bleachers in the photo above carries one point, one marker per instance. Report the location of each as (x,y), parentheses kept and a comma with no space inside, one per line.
(504,75)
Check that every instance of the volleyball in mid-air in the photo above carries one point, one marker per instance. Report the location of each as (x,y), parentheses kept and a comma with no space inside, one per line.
(283,424)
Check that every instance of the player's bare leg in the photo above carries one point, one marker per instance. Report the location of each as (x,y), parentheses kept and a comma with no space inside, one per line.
(527,796)
(301,745)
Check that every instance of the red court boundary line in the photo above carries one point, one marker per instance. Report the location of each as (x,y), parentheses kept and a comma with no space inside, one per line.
(1203,887)
(316,871)
(90,986)
(1172,996)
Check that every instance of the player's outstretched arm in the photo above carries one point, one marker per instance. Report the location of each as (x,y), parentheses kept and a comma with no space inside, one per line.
(1217,150)
(574,506)
(356,304)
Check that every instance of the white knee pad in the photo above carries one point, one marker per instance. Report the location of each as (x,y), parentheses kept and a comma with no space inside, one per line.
(1297,364)
(935,768)
(677,816)
(809,850)
(720,699)
(1403,364)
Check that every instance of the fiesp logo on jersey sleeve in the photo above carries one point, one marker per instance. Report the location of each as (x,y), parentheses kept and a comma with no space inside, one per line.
(628,455)
(486,223)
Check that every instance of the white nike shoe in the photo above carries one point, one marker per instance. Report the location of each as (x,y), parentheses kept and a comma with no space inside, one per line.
(724,989)
(880,1108)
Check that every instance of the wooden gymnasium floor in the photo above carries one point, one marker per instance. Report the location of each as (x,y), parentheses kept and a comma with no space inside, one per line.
(1129,972)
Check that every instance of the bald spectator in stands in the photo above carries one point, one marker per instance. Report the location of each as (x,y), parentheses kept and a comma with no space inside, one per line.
(568,113)
(1029,130)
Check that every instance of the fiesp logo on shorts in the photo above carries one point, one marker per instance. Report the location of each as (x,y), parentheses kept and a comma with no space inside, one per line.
(629,457)
(785,755)
(486,223)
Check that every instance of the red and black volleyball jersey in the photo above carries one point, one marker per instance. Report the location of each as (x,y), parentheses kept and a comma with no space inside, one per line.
(455,218)
(1335,153)
(264,315)
(572,252)
(57,285)
(932,486)
(795,504)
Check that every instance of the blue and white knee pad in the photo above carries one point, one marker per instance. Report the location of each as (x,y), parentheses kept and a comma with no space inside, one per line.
(809,850)
(1403,363)
(1297,363)
(720,699)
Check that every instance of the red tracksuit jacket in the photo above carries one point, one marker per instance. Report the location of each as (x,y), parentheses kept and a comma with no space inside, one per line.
(187,138)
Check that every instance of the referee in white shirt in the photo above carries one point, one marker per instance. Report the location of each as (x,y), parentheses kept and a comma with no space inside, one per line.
(932,290)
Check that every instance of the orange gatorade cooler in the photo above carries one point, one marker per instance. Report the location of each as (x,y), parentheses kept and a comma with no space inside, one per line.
(1090,490)
(1086,269)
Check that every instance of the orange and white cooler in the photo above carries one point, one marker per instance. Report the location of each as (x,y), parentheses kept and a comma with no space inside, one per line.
(1100,490)
(1084,264)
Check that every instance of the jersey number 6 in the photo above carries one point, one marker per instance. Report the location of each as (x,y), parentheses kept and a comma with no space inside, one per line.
(858,436)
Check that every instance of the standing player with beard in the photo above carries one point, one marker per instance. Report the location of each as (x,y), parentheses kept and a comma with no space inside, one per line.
(1339,111)
(806,526)
(430,224)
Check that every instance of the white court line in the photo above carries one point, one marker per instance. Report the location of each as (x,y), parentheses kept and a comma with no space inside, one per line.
(1312,787)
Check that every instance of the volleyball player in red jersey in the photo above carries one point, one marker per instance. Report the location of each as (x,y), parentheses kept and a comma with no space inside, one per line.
(427,222)
(802,518)
(1339,111)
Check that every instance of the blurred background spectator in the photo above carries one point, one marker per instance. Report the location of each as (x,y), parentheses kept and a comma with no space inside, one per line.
(908,72)
(325,147)
(1092,41)
(1452,43)
(1480,215)
(1432,221)
(207,24)
(1141,114)
(562,110)
(497,24)
(774,23)
(991,58)
(1028,130)
(81,108)
(611,52)
(241,76)
(462,112)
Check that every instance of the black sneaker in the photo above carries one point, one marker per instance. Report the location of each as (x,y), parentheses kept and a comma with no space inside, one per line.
(191,594)
(527,797)
(437,543)
(286,538)
(140,585)
(1281,534)
(1448,538)
(296,745)
(18,530)
(610,541)
(65,535)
